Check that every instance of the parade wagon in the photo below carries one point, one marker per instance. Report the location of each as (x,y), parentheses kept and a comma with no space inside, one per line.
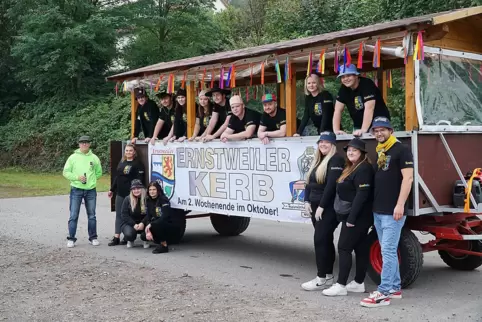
(440,59)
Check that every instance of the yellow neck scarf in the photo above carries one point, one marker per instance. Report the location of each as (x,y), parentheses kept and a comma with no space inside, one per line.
(382,148)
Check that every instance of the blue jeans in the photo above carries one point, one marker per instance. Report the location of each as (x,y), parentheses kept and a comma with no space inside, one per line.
(90,200)
(388,231)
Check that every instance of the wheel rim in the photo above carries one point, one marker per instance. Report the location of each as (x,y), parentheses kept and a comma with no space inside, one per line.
(376,259)
(465,245)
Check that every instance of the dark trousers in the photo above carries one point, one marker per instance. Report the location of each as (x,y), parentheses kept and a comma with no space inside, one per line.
(130,234)
(323,239)
(118,212)
(353,239)
(160,230)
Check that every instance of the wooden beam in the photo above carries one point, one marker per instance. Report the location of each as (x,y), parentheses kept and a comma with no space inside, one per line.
(459,14)
(382,83)
(191,108)
(291,104)
(281,95)
(411,121)
(133,112)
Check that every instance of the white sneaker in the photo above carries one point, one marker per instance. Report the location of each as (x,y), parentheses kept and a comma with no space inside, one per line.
(70,243)
(375,299)
(335,290)
(318,283)
(94,242)
(147,245)
(130,244)
(355,287)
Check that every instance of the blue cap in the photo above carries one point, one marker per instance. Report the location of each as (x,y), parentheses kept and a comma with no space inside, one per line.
(328,136)
(347,70)
(381,121)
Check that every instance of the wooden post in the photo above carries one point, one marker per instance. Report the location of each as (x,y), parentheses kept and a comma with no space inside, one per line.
(282,95)
(411,121)
(133,112)
(291,104)
(191,108)
(384,87)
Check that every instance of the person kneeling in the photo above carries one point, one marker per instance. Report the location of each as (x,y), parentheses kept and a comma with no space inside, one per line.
(134,214)
(159,212)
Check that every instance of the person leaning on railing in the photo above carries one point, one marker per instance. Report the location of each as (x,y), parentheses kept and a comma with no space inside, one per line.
(146,116)
(243,122)
(353,207)
(166,117)
(221,113)
(178,130)
(273,120)
(204,115)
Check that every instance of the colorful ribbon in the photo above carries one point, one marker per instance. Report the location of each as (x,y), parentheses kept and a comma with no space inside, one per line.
(262,73)
(359,64)
(418,53)
(310,62)
(321,62)
(278,71)
(376,54)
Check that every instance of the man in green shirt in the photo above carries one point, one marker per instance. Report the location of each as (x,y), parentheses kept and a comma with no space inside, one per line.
(82,169)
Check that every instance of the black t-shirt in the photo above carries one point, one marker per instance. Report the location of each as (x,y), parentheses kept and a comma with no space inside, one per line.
(320,110)
(388,179)
(126,172)
(250,118)
(355,100)
(273,123)
(146,119)
(223,111)
(180,122)
(204,119)
(167,115)
(358,189)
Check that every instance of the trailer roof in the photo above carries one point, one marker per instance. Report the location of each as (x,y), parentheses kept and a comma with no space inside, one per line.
(227,57)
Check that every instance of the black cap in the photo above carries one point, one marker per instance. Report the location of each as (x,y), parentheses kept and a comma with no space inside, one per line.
(181,92)
(140,92)
(136,183)
(356,143)
(84,138)
(162,94)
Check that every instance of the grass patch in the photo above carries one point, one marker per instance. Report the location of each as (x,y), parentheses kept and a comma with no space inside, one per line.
(16,183)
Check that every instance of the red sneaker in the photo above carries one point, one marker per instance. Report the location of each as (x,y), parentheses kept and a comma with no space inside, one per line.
(375,299)
(395,294)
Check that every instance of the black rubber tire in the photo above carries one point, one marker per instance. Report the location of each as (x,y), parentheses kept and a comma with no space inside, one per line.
(176,233)
(463,262)
(229,225)
(411,255)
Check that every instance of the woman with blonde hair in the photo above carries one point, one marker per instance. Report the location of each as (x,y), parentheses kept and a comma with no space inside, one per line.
(128,169)
(134,214)
(353,207)
(318,106)
(320,188)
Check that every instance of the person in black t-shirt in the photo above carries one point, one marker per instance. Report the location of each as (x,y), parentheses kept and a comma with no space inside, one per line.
(146,116)
(221,113)
(353,207)
(243,123)
(204,113)
(318,106)
(166,117)
(273,120)
(319,200)
(179,123)
(393,182)
(363,99)
(128,169)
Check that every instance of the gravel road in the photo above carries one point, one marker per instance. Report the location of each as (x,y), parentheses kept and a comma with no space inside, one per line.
(253,277)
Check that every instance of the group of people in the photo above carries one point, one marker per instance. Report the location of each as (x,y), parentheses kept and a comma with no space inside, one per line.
(357,194)
(350,190)
(230,120)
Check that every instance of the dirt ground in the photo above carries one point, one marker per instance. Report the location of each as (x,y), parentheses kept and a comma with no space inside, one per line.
(41,283)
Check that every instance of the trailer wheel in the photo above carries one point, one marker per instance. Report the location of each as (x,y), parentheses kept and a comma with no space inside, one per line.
(176,233)
(229,225)
(410,257)
(463,262)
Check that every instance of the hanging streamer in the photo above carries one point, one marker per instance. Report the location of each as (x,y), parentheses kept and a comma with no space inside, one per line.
(418,53)
(262,73)
(158,85)
(247,94)
(233,79)
(377,54)
(359,64)
(336,60)
(203,85)
(346,58)
(310,62)
(228,79)
(321,62)
(212,78)
(287,68)
(221,78)
(183,83)
(251,75)
(278,71)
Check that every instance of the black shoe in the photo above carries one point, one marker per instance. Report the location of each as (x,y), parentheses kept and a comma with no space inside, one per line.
(114,242)
(160,249)
(123,242)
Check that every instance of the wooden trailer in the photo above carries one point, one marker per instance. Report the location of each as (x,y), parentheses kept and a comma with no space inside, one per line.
(443,127)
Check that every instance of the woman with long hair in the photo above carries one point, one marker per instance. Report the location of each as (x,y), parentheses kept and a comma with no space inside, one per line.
(318,106)
(160,214)
(320,188)
(353,206)
(134,214)
(204,113)
(128,169)
(179,126)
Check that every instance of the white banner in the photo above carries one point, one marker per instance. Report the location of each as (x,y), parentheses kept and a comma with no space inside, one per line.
(237,178)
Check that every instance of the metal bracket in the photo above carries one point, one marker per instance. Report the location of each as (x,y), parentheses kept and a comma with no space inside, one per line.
(429,194)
